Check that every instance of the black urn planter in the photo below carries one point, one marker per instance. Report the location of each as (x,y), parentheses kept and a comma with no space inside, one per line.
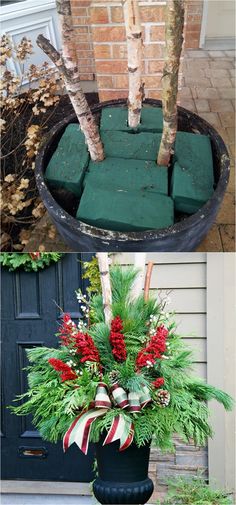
(122,476)
(185,235)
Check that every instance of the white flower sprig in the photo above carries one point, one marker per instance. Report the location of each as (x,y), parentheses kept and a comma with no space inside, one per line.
(84,307)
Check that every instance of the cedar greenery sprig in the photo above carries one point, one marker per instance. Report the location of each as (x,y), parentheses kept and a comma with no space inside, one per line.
(30,262)
(178,404)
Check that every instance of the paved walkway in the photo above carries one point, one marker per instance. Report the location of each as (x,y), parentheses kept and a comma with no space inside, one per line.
(209,90)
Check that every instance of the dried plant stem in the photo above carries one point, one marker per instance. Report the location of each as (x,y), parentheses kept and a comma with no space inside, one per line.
(134,47)
(174,42)
(67,65)
(103,265)
(148,280)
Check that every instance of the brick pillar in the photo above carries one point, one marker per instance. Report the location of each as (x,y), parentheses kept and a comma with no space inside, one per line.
(193,23)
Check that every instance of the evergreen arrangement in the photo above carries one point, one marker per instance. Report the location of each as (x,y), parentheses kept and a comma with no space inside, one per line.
(128,379)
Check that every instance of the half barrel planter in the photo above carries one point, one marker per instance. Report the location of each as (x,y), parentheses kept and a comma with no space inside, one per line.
(185,235)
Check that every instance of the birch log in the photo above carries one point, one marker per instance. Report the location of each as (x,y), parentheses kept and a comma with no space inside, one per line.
(67,65)
(139,264)
(103,265)
(134,47)
(174,42)
(148,280)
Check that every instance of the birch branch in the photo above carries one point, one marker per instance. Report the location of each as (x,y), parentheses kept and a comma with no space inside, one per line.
(67,65)
(103,265)
(139,264)
(174,42)
(51,52)
(148,280)
(134,47)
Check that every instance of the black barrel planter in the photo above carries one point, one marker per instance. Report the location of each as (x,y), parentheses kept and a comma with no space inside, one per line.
(185,235)
(122,476)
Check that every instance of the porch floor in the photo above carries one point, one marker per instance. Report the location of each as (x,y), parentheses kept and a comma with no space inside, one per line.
(209,90)
(29,499)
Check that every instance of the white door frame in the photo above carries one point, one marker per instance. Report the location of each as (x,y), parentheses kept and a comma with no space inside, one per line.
(204,24)
(12,11)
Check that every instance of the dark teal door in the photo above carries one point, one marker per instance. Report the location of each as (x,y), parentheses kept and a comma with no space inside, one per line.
(30,317)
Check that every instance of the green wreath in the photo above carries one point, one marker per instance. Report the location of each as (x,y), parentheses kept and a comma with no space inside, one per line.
(30,262)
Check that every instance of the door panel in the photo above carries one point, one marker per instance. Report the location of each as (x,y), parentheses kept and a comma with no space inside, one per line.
(31,314)
(29,18)
(221,19)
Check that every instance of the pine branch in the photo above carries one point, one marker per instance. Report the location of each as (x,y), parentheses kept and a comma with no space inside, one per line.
(100,334)
(205,392)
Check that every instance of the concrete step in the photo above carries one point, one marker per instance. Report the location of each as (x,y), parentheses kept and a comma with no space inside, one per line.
(32,499)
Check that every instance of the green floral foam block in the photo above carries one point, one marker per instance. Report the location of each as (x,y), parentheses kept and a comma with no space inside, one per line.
(132,175)
(193,176)
(116,119)
(122,210)
(138,146)
(67,166)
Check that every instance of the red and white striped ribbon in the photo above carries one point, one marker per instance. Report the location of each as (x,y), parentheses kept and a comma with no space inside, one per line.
(144,397)
(79,430)
(121,429)
(134,403)
(119,396)
(102,399)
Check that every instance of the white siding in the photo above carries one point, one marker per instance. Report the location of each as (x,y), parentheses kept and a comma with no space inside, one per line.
(183,277)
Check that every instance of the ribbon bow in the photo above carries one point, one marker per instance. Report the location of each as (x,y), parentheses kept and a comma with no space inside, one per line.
(121,429)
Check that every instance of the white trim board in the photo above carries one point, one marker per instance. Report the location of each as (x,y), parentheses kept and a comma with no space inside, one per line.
(219,43)
(204,24)
(46,487)
(14,11)
(221,326)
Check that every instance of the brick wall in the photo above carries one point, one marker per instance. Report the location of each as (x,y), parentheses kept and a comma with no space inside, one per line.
(108,34)
(81,18)
(100,38)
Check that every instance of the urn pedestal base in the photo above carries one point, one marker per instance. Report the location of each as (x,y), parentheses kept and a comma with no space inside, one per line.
(138,493)
(122,475)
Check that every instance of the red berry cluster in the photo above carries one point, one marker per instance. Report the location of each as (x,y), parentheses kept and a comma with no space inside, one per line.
(67,330)
(65,370)
(82,343)
(117,339)
(158,382)
(85,346)
(155,348)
